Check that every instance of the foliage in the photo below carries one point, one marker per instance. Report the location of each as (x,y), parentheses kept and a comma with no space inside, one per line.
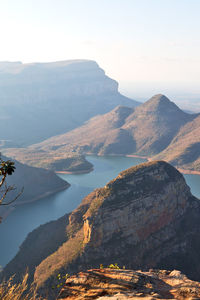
(113,266)
(6,168)
(60,280)
(20,291)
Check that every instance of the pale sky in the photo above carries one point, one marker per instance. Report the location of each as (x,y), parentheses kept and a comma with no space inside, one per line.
(139,43)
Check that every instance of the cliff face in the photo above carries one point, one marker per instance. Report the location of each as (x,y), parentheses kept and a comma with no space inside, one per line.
(127,284)
(144,218)
(40,100)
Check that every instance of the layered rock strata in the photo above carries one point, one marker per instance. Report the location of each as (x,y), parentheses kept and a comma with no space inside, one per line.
(106,284)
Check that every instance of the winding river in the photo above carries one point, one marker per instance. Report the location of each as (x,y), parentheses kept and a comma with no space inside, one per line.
(27,217)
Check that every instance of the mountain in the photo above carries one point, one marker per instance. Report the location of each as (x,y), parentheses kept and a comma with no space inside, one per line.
(123,284)
(157,129)
(146,130)
(144,218)
(39,100)
(37,183)
(184,149)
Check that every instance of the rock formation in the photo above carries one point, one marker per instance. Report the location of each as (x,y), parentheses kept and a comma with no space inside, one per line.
(40,100)
(145,218)
(109,284)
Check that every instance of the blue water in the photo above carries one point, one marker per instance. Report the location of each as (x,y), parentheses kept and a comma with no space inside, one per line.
(27,217)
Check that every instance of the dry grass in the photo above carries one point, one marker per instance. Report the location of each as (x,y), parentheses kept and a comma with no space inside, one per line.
(18,291)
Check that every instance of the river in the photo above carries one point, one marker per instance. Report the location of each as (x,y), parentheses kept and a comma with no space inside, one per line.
(27,217)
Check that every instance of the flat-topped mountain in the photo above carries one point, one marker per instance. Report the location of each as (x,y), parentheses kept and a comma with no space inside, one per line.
(39,100)
(145,218)
(36,183)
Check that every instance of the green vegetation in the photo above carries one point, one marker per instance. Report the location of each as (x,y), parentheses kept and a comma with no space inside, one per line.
(60,280)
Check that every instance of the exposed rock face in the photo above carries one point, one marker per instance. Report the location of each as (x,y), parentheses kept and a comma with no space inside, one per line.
(40,100)
(106,284)
(144,218)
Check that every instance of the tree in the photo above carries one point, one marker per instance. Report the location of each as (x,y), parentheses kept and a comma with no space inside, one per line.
(7,168)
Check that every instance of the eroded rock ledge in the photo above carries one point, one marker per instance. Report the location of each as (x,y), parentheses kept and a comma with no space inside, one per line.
(127,284)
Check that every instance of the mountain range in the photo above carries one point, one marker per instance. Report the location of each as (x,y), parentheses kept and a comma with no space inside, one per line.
(39,100)
(157,129)
(144,218)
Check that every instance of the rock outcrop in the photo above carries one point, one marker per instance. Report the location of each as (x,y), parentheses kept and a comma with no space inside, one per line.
(40,100)
(145,218)
(106,284)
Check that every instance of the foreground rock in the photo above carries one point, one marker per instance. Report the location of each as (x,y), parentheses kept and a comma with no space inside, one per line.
(106,284)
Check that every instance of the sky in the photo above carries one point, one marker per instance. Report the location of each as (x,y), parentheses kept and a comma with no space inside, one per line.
(146,45)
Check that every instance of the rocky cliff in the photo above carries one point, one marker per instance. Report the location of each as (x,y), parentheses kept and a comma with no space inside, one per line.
(40,100)
(119,284)
(144,218)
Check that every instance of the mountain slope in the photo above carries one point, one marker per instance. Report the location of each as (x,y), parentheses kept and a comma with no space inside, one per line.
(147,130)
(40,100)
(154,125)
(145,218)
(184,150)
(37,183)
(157,129)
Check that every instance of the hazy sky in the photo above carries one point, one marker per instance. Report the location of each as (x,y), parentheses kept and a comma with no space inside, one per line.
(154,41)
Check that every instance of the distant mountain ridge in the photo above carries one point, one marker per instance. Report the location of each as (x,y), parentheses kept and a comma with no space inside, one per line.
(158,129)
(39,100)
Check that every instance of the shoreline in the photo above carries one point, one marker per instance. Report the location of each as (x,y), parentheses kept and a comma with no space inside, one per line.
(183,171)
(75,172)
(10,209)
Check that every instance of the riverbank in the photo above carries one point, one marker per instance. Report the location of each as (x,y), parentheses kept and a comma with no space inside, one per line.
(75,172)
(9,209)
(183,171)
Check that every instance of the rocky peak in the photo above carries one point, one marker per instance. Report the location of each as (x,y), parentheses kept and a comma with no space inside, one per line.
(145,218)
(160,103)
(141,201)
